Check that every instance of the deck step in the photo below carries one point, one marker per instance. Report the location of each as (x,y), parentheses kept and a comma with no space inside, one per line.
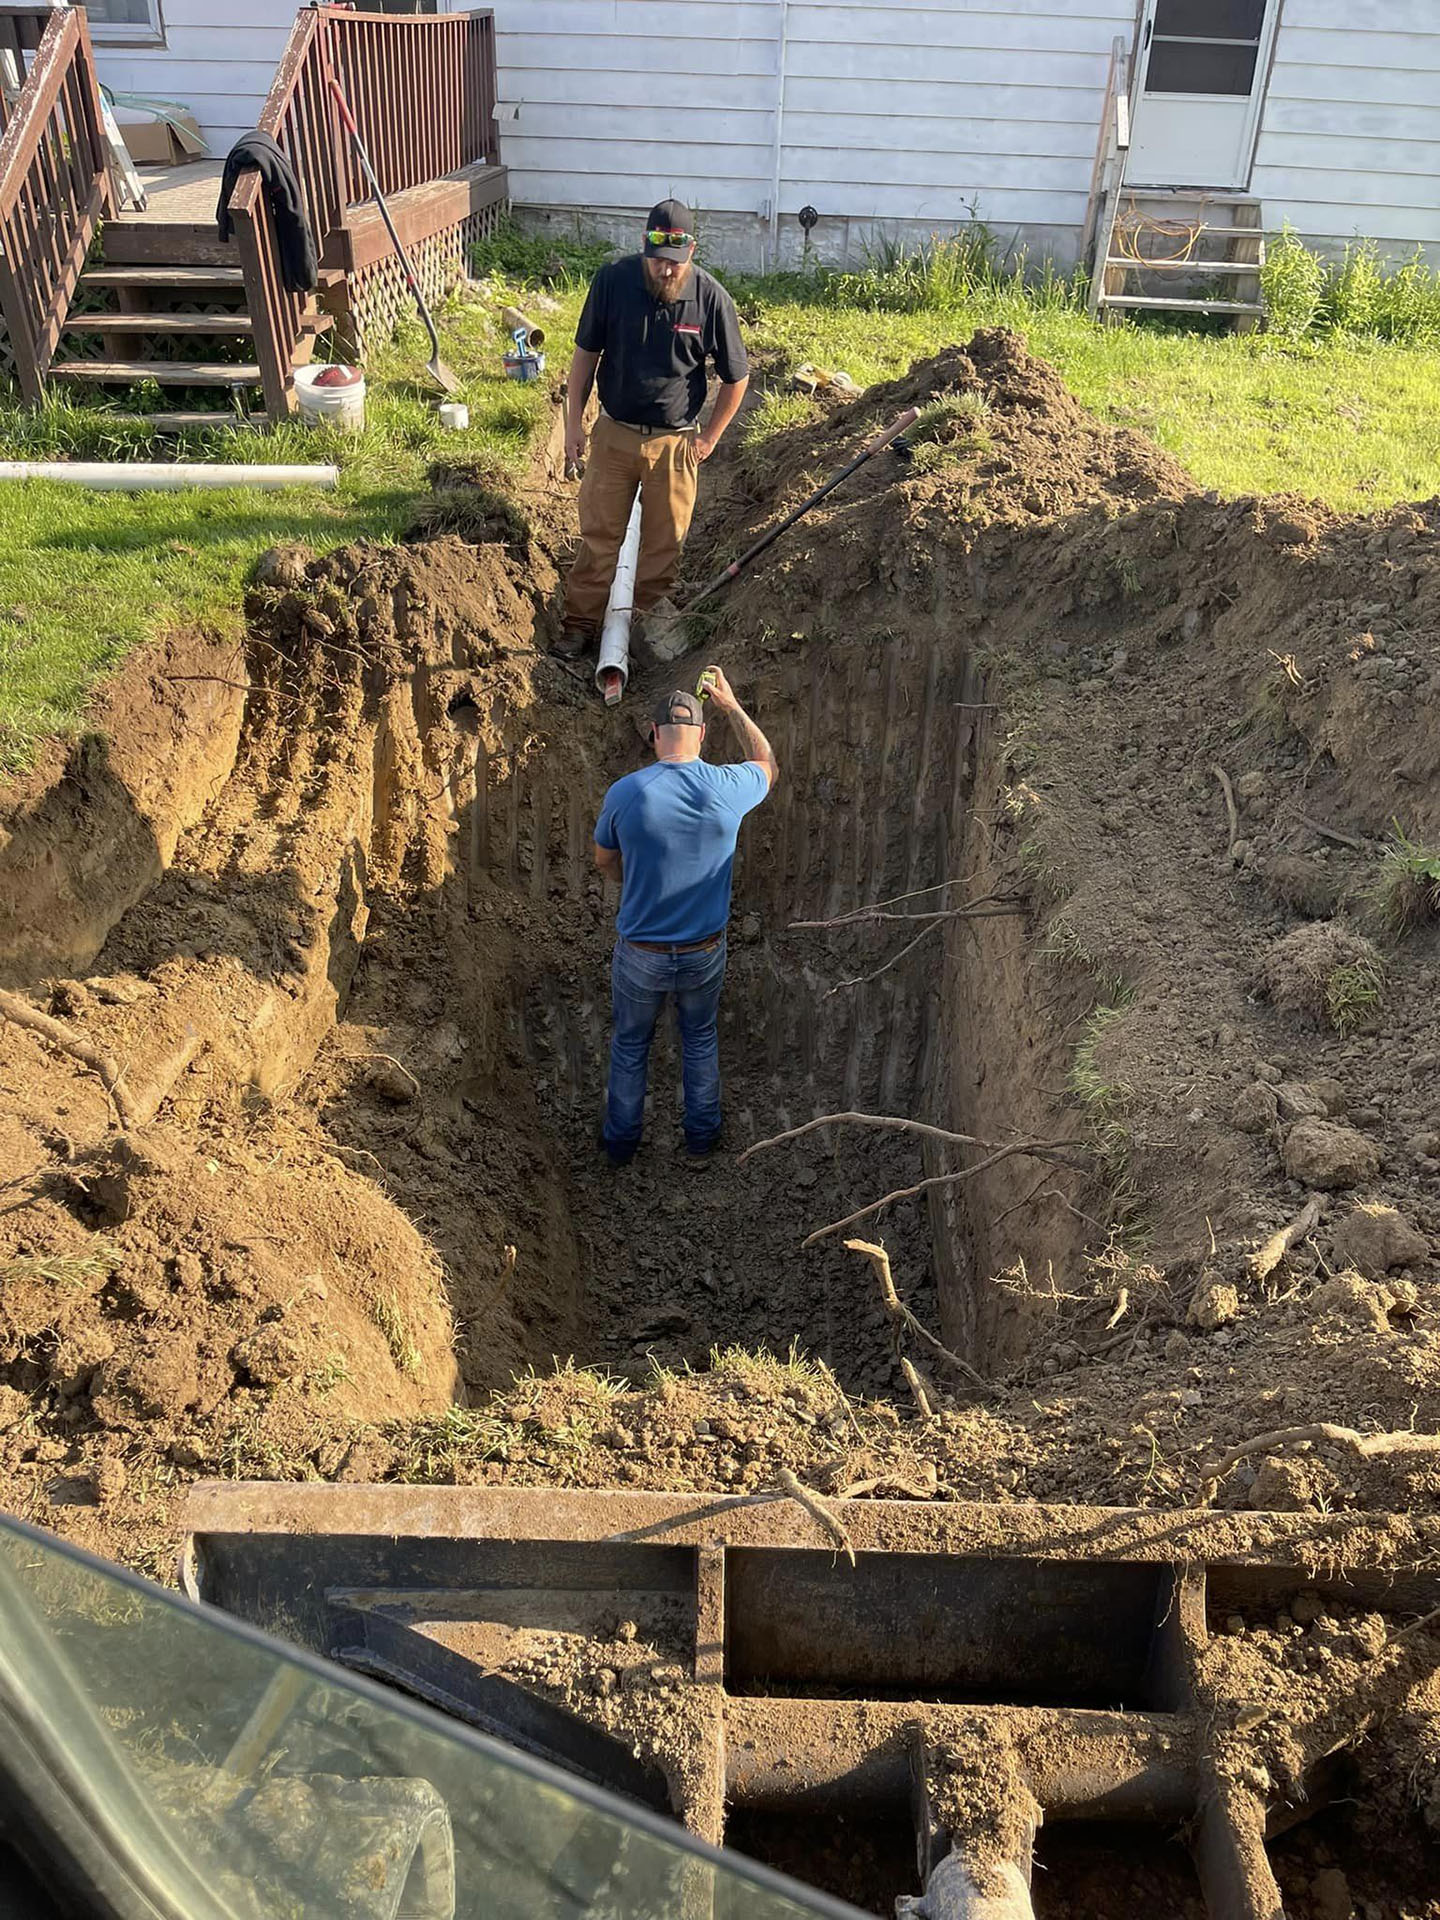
(1184,266)
(163,277)
(1153,302)
(166,373)
(1193,194)
(161,322)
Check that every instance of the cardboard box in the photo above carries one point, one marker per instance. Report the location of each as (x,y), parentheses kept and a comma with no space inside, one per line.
(163,143)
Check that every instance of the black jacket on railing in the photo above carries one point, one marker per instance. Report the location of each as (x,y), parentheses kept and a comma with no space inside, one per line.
(296,243)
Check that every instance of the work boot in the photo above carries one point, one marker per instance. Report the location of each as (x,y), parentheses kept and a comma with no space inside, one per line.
(617,1156)
(697,1158)
(573,642)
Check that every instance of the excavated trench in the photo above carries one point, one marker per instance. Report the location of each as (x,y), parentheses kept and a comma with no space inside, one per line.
(382,921)
(482,972)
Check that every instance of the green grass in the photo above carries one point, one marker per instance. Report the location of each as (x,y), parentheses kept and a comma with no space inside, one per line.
(1406,892)
(1353,994)
(775,412)
(64,1269)
(386,1313)
(83,576)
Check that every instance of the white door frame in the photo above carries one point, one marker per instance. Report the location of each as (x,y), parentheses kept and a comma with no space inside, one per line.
(1264,62)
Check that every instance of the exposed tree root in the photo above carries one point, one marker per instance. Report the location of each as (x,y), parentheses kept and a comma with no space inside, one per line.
(59,1036)
(1365,1446)
(1041,1149)
(1230,808)
(818,1512)
(1264,1262)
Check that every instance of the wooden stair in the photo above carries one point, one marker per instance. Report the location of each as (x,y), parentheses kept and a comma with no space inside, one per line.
(179,322)
(1167,250)
(1180,251)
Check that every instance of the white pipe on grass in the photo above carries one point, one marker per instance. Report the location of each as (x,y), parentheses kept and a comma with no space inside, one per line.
(615,633)
(165,476)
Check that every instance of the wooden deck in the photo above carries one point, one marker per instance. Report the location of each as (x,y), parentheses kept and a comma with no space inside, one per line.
(162,299)
(178,196)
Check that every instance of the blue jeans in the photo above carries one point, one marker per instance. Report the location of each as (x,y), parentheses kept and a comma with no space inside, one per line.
(640,984)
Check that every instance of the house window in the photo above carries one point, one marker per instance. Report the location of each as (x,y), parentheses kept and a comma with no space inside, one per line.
(133,22)
(1205,46)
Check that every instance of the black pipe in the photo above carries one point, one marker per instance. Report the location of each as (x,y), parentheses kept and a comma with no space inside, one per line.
(880,441)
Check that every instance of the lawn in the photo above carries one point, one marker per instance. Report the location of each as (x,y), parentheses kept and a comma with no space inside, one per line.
(83,575)
(1352,421)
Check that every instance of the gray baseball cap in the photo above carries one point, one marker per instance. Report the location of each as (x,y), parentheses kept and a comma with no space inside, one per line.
(677,709)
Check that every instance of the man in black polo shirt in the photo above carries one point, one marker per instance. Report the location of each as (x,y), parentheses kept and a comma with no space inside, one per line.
(651,324)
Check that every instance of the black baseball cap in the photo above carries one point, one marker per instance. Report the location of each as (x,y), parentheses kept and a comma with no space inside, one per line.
(677,709)
(669,216)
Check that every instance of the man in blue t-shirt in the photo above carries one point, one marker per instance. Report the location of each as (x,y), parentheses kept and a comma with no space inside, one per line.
(668,832)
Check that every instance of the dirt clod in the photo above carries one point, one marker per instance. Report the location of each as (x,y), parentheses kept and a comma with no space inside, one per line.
(1376,1239)
(1215,1305)
(1328,1155)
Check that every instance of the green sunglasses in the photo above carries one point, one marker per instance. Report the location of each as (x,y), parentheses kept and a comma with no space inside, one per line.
(663,237)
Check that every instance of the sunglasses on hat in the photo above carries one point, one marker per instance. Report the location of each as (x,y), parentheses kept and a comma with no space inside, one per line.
(666,237)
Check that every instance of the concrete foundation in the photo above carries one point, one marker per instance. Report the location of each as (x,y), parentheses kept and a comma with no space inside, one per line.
(1061,1641)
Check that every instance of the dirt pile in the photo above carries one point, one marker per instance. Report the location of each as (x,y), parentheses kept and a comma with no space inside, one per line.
(365,1003)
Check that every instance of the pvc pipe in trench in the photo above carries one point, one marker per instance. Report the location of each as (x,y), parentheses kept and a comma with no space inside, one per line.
(615,633)
(165,476)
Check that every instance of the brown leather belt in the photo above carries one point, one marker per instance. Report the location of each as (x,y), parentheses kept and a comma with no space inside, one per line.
(685,946)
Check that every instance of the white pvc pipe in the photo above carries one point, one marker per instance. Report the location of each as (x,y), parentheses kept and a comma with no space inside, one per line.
(165,476)
(615,633)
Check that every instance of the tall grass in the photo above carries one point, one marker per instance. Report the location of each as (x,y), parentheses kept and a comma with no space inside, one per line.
(1308,296)
(949,271)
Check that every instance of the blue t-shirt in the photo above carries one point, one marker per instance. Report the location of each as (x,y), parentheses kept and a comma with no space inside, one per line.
(675,824)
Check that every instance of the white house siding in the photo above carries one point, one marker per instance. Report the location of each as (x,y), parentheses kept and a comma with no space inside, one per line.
(897,116)
(1350,135)
(222,73)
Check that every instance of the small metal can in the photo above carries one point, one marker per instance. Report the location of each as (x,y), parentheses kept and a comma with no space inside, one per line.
(454,416)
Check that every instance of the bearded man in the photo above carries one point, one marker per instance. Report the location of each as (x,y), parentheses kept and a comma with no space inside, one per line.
(653,322)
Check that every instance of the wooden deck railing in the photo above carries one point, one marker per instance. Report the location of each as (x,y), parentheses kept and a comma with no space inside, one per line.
(54,185)
(422,90)
(21,31)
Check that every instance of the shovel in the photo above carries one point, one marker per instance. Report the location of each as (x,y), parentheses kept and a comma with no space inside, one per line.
(434,366)
(664,631)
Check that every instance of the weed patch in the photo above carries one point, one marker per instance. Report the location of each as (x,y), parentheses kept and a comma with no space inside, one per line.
(392,1323)
(1406,893)
(1327,971)
(63,1269)
(1309,296)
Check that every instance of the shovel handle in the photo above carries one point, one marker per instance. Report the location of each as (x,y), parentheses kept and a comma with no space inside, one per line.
(342,107)
(892,432)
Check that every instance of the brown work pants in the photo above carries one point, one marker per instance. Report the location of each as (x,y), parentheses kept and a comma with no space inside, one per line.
(664,468)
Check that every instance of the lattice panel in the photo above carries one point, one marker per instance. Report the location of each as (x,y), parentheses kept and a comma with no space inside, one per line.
(379,297)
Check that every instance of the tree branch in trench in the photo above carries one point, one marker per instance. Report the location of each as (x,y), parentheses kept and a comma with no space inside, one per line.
(880,1261)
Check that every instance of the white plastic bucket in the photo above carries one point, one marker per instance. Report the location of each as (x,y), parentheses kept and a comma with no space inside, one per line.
(342,407)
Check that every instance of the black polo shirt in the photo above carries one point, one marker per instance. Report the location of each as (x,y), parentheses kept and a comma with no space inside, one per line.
(653,354)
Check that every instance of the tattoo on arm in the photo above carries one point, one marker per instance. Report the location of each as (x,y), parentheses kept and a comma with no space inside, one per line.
(753,743)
